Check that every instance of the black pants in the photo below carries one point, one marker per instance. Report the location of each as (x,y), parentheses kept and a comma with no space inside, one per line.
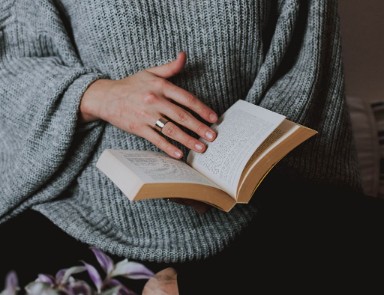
(303,238)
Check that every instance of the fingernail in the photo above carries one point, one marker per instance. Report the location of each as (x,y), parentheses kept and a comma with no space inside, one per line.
(199,146)
(178,154)
(210,135)
(213,117)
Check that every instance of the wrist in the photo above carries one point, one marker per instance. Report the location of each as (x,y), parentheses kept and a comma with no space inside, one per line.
(91,100)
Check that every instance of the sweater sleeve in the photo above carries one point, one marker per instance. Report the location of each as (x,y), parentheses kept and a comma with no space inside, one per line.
(42,148)
(302,78)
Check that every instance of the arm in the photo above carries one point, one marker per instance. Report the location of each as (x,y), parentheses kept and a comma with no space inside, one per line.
(45,89)
(42,80)
(302,78)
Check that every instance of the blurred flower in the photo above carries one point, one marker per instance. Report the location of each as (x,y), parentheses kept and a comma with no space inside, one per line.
(64,283)
(11,284)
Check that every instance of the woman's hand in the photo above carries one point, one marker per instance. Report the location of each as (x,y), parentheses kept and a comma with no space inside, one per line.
(135,103)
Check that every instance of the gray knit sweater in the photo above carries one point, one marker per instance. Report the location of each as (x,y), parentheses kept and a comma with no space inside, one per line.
(283,55)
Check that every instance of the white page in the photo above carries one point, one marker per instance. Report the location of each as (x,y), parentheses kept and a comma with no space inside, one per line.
(241,129)
(281,133)
(152,167)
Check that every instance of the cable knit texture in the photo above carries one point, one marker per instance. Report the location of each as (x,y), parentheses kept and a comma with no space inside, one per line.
(283,55)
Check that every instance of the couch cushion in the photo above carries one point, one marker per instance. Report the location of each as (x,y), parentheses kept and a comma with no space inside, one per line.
(367,124)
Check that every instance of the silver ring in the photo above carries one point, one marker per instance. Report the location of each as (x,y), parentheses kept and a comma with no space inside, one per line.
(160,123)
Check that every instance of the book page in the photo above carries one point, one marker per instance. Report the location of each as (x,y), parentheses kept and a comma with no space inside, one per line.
(152,167)
(281,133)
(241,130)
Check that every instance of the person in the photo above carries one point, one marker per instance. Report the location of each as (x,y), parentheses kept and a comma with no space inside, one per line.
(77,77)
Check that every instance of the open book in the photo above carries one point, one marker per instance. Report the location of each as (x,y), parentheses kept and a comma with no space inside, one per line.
(250,141)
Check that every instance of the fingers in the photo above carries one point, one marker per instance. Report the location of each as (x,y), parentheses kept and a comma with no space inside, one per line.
(170,69)
(171,130)
(135,103)
(184,118)
(162,143)
(177,116)
(142,123)
(178,94)
(185,98)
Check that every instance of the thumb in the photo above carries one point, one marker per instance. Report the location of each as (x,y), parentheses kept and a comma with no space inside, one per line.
(170,69)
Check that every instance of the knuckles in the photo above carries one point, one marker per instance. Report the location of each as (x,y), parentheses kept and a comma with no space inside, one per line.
(182,117)
(150,98)
(143,114)
(190,100)
(132,127)
(160,84)
(170,129)
(161,143)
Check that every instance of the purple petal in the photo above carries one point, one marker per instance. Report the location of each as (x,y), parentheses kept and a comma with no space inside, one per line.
(59,275)
(11,283)
(122,289)
(71,271)
(47,279)
(113,291)
(132,270)
(104,260)
(94,275)
(38,288)
(78,287)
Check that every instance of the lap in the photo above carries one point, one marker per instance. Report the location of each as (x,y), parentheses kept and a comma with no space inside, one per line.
(320,236)
(310,236)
